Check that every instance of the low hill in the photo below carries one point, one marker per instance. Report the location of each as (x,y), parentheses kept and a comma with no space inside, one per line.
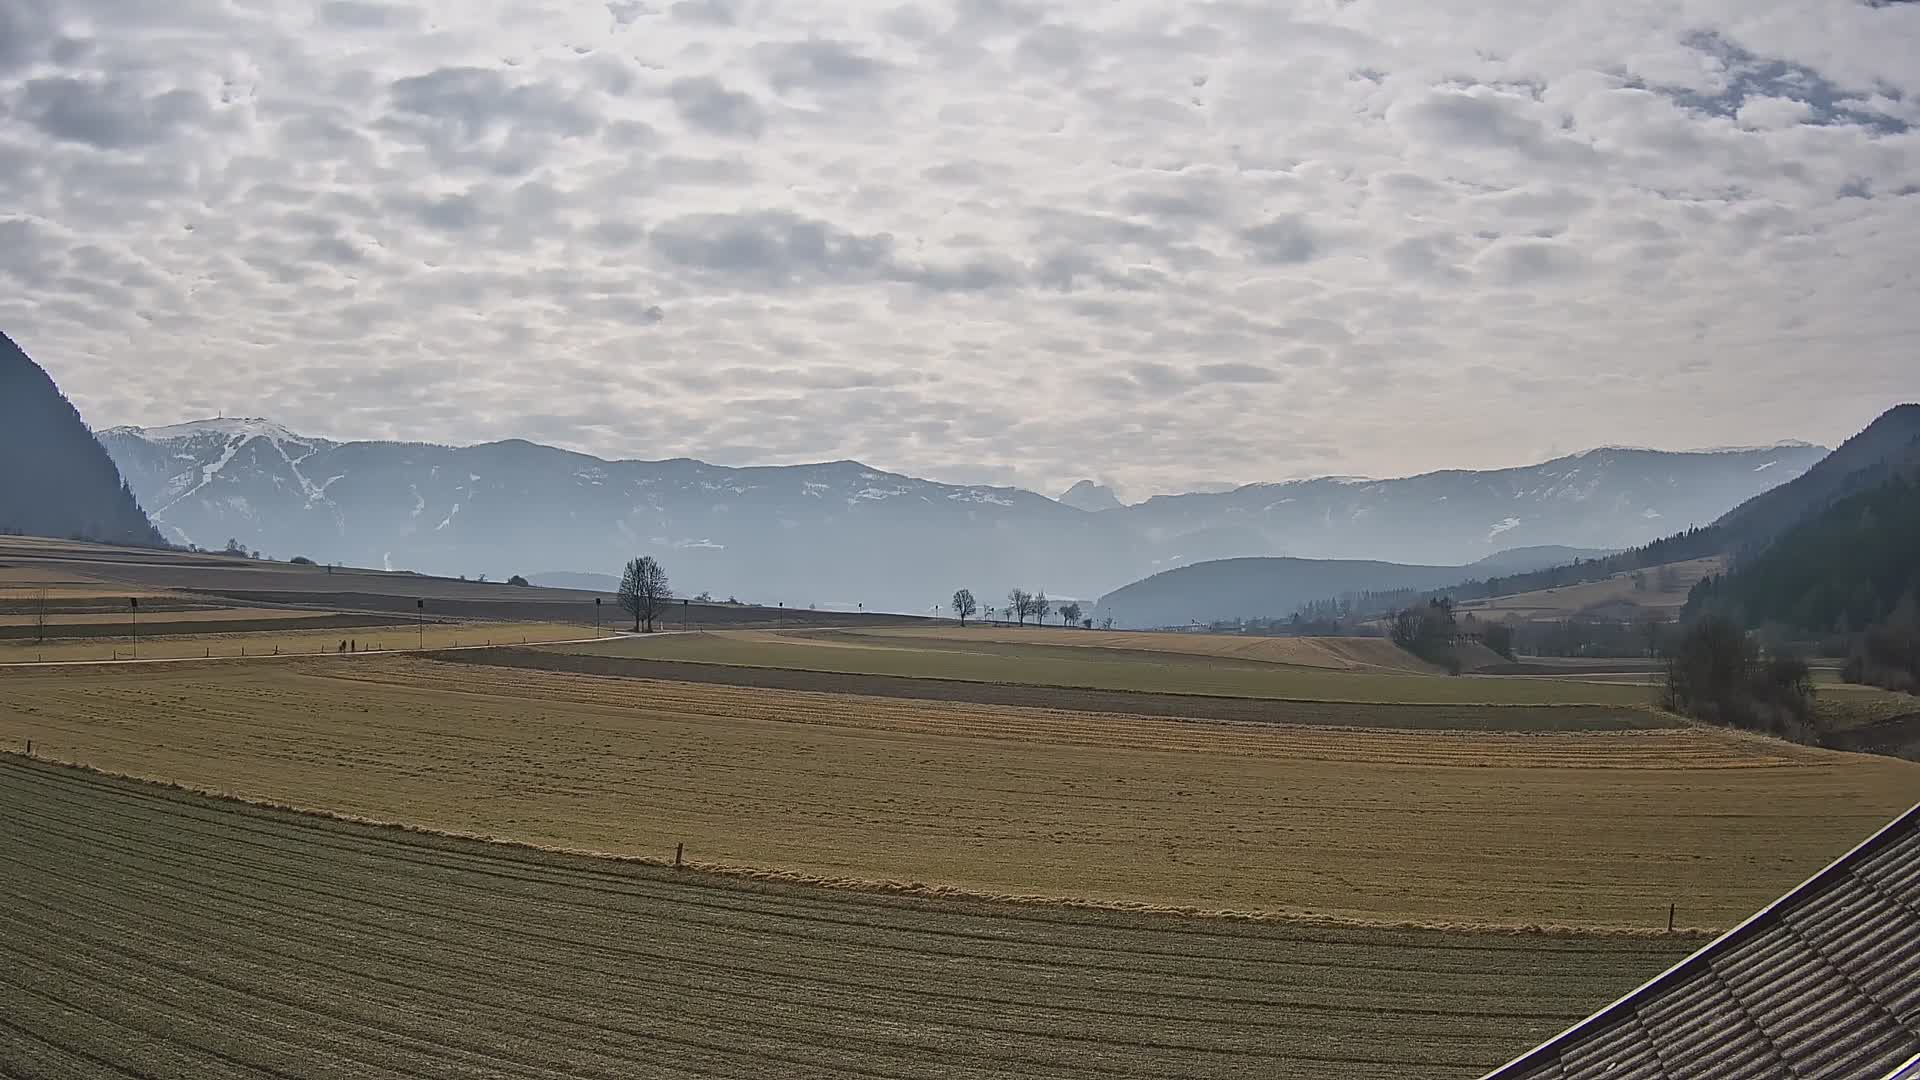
(1222,590)
(1257,588)
(57,480)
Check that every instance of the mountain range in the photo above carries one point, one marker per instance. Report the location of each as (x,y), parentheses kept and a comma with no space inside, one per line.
(55,480)
(844,534)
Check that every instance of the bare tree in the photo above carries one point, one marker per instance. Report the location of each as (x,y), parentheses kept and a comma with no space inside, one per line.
(1069,613)
(964,605)
(644,591)
(1019,603)
(1040,607)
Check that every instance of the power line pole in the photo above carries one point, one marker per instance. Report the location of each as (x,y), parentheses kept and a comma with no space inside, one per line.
(133,604)
(420,619)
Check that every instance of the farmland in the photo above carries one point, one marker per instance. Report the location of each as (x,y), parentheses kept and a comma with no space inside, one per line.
(153,932)
(1125,662)
(911,850)
(1436,827)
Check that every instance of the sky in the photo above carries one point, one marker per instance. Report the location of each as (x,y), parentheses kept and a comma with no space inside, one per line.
(1161,245)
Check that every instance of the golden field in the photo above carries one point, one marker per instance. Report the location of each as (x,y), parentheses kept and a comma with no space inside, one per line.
(1583,829)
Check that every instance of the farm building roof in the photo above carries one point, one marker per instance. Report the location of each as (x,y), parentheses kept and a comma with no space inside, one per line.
(1824,982)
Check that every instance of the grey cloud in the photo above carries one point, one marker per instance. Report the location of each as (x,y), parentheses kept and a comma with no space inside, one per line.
(818,64)
(956,173)
(771,248)
(1487,120)
(775,249)
(453,212)
(362,15)
(1234,372)
(1430,258)
(705,172)
(1185,197)
(108,115)
(470,103)
(616,234)
(479,118)
(1282,241)
(713,12)
(26,30)
(705,103)
(1053,49)
(1530,262)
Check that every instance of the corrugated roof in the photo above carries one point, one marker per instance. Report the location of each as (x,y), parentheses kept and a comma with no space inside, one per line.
(1822,983)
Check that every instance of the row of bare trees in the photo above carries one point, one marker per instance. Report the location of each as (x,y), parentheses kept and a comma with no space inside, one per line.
(1021,606)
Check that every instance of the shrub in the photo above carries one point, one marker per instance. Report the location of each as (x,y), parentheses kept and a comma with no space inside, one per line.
(517,580)
(301,560)
(1715,674)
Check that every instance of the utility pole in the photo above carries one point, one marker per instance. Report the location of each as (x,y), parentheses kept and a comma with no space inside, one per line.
(420,619)
(133,605)
(596,616)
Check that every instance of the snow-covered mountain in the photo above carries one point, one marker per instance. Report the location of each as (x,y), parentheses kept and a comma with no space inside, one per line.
(843,533)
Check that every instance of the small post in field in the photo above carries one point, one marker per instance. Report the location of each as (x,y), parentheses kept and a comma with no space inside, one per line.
(29,747)
(1670,918)
(678,851)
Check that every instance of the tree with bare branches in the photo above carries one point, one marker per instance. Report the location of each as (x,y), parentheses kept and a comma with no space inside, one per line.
(644,591)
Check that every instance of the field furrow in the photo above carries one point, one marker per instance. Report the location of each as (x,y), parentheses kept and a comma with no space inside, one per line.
(158,933)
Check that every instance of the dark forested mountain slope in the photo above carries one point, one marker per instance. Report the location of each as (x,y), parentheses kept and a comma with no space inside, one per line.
(1850,566)
(55,479)
(1862,462)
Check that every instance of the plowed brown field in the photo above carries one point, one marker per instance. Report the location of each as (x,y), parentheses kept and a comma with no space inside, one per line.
(1586,829)
(154,933)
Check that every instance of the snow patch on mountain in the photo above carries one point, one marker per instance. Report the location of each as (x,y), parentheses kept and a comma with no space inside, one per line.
(242,427)
(1504,525)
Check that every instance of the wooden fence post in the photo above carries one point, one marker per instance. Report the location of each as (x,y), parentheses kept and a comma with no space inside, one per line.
(678,851)
(1670,918)
(29,747)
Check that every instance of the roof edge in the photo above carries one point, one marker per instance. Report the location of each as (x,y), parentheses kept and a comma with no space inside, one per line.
(1752,924)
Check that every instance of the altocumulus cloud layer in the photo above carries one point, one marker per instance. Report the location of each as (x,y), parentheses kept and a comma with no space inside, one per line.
(1158,243)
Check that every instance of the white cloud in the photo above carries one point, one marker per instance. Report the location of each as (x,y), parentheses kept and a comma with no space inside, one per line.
(1163,242)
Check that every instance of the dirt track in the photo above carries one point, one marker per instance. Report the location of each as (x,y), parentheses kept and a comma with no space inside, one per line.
(1182,706)
(153,933)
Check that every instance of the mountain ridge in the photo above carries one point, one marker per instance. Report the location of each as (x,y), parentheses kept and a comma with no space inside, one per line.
(841,531)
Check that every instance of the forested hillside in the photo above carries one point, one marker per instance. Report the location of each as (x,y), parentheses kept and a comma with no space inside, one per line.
(1850,567)
(55,479)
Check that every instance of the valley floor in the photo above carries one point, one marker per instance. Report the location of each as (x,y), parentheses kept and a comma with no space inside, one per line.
(1589,829)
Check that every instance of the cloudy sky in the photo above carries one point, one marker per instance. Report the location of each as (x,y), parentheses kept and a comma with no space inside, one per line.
(1160,244)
